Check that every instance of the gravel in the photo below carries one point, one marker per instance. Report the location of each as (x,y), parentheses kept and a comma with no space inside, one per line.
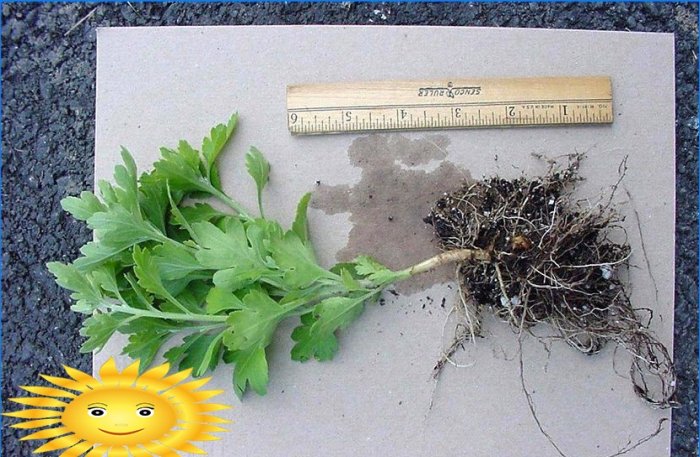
(48,98)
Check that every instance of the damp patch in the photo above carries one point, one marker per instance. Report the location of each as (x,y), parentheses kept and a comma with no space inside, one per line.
(401,179)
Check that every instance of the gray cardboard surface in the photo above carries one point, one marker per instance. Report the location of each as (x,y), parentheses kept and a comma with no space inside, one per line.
(377,398)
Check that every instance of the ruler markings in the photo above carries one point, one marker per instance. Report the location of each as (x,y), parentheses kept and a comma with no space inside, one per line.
(449,105)
(393,105)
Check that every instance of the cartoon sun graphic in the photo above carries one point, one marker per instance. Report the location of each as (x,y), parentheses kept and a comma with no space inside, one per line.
(123,414)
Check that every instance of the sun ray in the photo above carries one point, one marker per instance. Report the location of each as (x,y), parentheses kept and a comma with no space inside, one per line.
(139,452)
(191,448)
(212,407)
(118,452)
(58,443)
(194,385)
(46,433)
(48,391)
(130,373)
(155,374)
(41,402)
(66,383)
(206,418)
(161,450)
(97,451)
(204,395)
(37,423)
(77,450)
(109,374)
(178,377)
(81,377)
(34,414)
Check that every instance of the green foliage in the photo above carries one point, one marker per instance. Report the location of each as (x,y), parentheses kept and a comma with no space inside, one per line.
(259,169)
(98,329)
(167,267)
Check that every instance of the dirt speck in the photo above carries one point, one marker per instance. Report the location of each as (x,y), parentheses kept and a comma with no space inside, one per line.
(397,188)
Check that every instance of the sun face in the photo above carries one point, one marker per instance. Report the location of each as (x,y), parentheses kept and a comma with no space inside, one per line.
(122,414)
(119,416)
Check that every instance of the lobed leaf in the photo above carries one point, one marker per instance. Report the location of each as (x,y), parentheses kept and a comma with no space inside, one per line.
(175,261)
(254,324)
(316,336)
(300,224)
(225,248)
(297,261)
(199,351)
(83,207)
(259,168)
(251,370)
(218,137)
(369,268)
(86,293)
(145,344)
(99,328)
(220,299)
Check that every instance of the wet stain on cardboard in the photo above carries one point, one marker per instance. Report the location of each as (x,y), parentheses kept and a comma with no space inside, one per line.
(388,204)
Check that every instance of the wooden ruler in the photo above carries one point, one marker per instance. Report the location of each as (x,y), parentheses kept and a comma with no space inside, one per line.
(448,104)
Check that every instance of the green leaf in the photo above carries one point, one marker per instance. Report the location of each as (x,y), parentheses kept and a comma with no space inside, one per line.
(203,354)
(95,254)
(308,345)
(224,248)
(182,169)
(146,270)
(175,261)
(200,212)
(120,229)
(260,233)
(251,369)
(107,193)
(83,207)
(99,328)
(86,294)
(215,177)
(297,261)
(350,283)
(259,168)
(199,351)
(238,278)
(186,300)
(316,336)
(106,278)
(367,267)
(148,274)
(176,353)
(255,324)
(145,344)
(136,296)
(220,299)
(300,225)
(125,176)
(153,199)
(212,145)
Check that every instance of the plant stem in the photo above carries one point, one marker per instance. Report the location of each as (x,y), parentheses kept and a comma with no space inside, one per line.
(228,201)
(163,315)
(459,255)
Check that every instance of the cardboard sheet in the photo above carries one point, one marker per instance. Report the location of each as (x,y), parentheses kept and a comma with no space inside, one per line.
(377,397)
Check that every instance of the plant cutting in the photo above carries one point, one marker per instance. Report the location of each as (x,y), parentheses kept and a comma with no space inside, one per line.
(165,263)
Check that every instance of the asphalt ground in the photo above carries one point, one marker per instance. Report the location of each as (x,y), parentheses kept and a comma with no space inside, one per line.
(48,120)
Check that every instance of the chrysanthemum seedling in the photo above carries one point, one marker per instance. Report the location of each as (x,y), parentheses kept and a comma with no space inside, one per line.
(164,262)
